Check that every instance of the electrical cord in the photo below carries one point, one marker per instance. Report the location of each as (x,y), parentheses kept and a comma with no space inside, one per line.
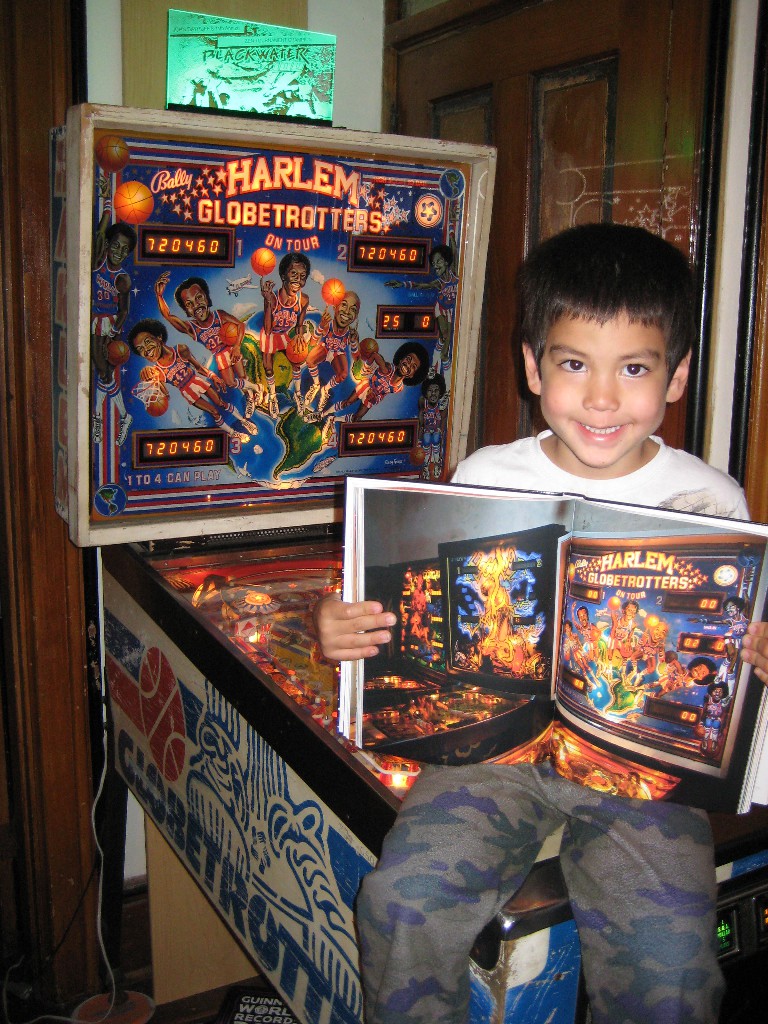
(98,862)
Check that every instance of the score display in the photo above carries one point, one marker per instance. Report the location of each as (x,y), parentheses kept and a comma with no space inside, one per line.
(190,246)
(246,293)
(179,448)
(378,438)
(406,322)
(371,253)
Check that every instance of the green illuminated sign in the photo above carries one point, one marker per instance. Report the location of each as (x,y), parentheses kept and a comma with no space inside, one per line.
(245,67)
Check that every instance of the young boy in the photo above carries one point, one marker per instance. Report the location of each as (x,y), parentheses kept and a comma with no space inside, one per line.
(607,343)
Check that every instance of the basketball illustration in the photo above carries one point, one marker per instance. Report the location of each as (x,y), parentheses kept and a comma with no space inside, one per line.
(112,154)
(229,333)
(297,347)
(368,348)
(162,713)
(157,403)
(263,261)
(333,291)
(132,202)
(418,456)
(118,352)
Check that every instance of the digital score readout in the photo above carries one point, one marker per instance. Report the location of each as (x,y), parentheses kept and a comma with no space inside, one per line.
(406,322)
(672,711)
(698,643)
(701,602)
(378,439)
(154,448)
(371,252)
(212,247)
(585,592)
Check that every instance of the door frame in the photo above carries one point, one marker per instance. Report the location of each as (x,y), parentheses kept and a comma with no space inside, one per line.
(402,34)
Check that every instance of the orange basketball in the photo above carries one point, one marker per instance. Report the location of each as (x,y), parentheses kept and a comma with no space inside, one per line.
(158,403)
(333,291)
(118,352)
(229,333)
(368,348)
(112,154)
(263,261)
(296,348)
(132,202)
(418,455)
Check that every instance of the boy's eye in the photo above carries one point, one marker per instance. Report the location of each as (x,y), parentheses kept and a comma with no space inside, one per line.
(572,365)
(635,369)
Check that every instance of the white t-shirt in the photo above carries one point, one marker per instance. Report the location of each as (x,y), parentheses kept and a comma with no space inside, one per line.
(673,479)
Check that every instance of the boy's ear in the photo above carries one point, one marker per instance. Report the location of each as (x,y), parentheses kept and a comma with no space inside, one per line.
(676,386)
(531,369)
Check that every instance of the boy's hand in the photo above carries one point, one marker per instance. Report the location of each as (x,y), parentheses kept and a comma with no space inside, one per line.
(348,631)
(754,648)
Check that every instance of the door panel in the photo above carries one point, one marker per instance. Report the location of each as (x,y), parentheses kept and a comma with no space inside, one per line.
(595,108)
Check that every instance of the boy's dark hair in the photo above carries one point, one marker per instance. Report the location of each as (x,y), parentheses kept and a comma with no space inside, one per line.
(187,283)
(149,326)
(599,271)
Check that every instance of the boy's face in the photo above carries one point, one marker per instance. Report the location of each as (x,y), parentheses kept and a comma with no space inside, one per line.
(603,392)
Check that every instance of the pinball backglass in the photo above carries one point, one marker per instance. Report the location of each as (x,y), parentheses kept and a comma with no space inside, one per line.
(245,313)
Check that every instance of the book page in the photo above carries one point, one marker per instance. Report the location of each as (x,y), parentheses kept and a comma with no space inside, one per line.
(650,669)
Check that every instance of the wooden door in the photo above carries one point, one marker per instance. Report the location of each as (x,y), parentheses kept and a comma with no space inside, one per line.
(47,855)
(595,107)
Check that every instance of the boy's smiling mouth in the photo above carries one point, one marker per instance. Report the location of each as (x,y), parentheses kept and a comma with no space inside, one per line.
(600,430)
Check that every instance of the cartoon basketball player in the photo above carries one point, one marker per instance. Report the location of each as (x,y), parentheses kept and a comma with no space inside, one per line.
(593,643)
(737,623)
(335,339)
(177,366)
(446,284)
(652,646)
(218,331)
(714,713)
(284,313)
(573,651)
(624,635)
(110,305)
(409,367)
(432,414)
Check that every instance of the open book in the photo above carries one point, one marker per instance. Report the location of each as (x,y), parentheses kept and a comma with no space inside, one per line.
(606,637)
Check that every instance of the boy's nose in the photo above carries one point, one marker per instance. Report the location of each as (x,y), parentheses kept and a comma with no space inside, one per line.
(601,392)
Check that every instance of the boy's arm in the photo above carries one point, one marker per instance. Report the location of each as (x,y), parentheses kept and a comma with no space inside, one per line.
(348,631)
(755,648)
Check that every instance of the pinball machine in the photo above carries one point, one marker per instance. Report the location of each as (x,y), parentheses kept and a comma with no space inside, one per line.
(244,313)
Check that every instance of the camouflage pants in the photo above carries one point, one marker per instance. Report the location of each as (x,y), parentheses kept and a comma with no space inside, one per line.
(640,877)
